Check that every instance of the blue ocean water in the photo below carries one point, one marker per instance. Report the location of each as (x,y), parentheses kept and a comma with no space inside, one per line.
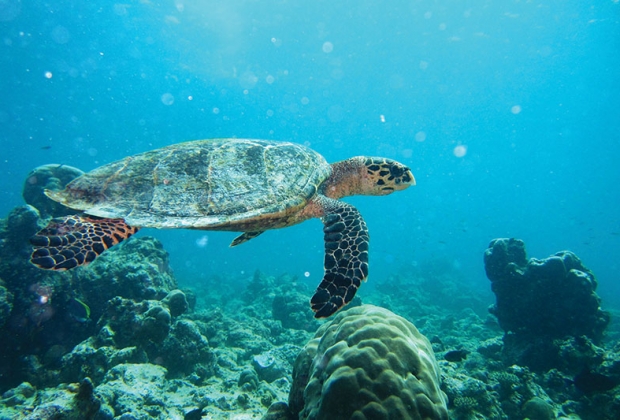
(507,112)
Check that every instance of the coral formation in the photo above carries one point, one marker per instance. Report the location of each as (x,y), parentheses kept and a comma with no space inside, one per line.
(559,287)
(366,363)
(6,304)
(538,409)
(176,301)
(292,310)
(137,269)
(542,303)
(44,315)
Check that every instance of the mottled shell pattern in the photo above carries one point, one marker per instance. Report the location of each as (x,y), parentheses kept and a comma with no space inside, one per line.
(235,184)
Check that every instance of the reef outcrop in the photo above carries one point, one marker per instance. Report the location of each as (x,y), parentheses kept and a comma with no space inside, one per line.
(43,315)
(540,303)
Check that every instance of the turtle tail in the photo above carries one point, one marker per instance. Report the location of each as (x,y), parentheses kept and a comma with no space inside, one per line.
(76,240)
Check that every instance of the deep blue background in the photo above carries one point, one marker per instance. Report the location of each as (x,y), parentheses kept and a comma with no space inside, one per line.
(530,89)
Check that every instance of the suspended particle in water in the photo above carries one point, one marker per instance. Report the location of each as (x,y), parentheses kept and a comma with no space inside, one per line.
(382,118)
(305,101)
(167,99)
(328,47)
(307,274)
(516,109)
(270,79)
(460,151)
(202,241)
(48,74)
(248,80)
(60,34)
(420,136)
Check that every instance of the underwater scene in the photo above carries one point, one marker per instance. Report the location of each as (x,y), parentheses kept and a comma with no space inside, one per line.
(286,210)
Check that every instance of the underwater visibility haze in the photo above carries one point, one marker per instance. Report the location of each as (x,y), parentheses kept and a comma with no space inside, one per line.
(506,112)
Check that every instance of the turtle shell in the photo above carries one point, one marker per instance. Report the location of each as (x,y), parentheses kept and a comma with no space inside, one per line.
(224,184)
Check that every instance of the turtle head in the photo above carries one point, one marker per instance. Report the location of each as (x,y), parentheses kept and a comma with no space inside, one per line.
(384,176)
(363,175)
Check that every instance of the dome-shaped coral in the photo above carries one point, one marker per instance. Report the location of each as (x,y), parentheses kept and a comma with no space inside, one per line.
(367,363)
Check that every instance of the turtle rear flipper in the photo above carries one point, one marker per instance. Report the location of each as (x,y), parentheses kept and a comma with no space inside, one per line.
(346,257)
(76,240)
(244,237)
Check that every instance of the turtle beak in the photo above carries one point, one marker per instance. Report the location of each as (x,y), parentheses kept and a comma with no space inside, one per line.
(408,178)
(57,196)
(403,180)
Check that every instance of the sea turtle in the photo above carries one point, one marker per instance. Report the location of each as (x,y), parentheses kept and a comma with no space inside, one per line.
(238,185)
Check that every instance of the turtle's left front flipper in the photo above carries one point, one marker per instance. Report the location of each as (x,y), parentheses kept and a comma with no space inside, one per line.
(76,240)
(346,257)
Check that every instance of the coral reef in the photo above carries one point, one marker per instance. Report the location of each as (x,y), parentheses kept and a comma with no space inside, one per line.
(44,315)
(541,303)
(120,339)
(137,269)
(366,363)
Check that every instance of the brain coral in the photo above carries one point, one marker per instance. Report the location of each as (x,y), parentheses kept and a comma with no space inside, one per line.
(368,363)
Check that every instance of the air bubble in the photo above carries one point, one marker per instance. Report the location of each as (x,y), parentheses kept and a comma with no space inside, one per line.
(167,99)
(460,151)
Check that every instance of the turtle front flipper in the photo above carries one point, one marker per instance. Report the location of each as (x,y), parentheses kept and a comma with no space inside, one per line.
(244,237)
(76,240)
(346,257)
